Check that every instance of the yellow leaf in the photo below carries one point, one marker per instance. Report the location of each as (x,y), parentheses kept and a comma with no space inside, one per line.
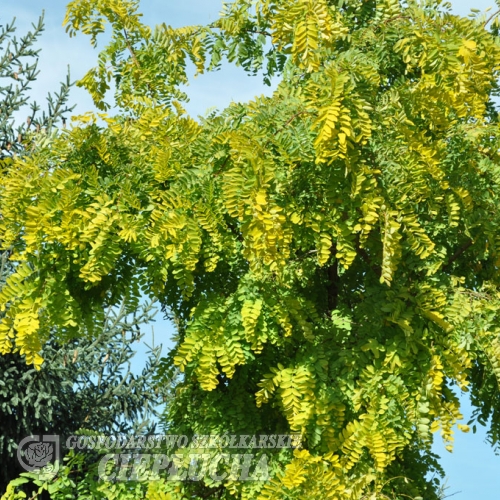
(470,44)
(261,198)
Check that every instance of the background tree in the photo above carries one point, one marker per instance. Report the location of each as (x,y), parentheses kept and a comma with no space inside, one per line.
(86,382)
(330,253)
(19,70)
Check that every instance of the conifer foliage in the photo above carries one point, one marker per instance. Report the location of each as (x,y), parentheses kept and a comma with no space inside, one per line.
(330,253)
(19,70)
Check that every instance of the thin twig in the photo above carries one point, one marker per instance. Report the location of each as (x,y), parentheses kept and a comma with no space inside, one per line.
(257,32)
(131,49)
(490,18)
(290,120)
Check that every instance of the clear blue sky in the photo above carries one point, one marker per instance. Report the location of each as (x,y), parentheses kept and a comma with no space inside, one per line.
(473,470)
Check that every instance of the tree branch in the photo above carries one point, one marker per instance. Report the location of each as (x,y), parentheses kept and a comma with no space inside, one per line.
(256,32)
(131,49)
(490,18)
(290,120)
(458,253)
(332,288)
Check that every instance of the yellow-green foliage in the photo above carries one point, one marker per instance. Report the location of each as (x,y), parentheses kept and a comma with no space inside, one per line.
(330,253)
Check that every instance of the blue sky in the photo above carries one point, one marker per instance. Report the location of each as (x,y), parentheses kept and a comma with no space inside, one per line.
(473,470)
(216,89)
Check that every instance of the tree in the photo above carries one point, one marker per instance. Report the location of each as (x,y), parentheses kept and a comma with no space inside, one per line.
(84,382)
(19,69)
(330,254)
